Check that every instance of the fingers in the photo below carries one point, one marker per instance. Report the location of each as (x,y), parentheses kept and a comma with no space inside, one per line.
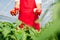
(35,10)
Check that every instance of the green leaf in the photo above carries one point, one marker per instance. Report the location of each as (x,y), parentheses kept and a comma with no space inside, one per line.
(24,36)
(6,31)
(18,34)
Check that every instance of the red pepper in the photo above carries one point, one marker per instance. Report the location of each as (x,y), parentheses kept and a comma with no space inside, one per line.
(38,12)
(14,12)
(22,25)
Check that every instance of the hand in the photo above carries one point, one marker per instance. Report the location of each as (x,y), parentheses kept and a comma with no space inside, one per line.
(34,10)
(14,12)
(37,11)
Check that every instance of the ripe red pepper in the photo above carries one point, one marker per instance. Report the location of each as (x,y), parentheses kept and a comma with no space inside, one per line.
(14,11)
(22,25)
(38,12)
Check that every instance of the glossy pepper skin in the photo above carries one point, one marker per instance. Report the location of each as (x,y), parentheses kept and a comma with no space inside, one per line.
(38,12)
(14,11)
(22,25)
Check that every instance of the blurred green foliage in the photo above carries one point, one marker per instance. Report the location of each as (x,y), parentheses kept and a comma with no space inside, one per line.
(12,31)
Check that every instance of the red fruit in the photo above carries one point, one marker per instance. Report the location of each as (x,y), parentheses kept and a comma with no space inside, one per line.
(13,12)
(38,11)
(22,25)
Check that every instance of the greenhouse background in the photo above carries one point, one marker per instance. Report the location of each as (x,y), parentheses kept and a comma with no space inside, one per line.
(7,5)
